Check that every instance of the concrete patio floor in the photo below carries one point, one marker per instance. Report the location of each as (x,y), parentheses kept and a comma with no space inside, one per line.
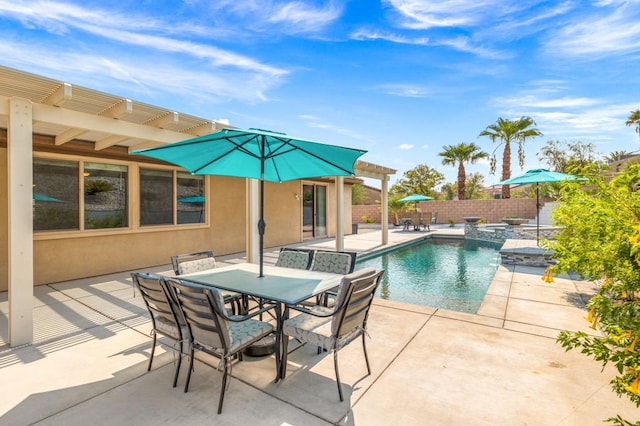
(501,366)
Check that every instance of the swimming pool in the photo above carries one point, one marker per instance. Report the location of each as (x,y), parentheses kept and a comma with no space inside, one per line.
(443,273)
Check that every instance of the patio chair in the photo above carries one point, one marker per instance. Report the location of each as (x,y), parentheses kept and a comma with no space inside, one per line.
(417,221)
(202,261)
(333,329)
(426,220)
(193,262)
(214,332)
(336,262)
(165,315)
(434,218)
(294,258)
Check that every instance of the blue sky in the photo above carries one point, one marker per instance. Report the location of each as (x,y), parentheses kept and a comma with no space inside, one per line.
(399,78)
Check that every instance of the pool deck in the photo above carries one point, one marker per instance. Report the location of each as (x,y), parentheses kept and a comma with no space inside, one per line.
(500,366)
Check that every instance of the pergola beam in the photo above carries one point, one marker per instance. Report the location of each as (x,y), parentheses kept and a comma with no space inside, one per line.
(165,121)
(69,135)
(204,128)
(123,107)
(94,123)
(109,141)
(61,95)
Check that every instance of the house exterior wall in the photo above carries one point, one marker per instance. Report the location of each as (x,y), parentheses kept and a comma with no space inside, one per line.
(61,256)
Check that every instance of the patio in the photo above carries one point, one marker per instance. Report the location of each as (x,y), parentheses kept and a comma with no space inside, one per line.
(500,366)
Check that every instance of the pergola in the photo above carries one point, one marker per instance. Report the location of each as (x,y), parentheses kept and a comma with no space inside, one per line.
(34,105)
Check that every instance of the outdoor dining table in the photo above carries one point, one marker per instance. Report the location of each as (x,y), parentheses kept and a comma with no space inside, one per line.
(284,286)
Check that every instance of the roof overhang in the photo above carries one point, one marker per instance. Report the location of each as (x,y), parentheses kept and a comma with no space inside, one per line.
(73,113)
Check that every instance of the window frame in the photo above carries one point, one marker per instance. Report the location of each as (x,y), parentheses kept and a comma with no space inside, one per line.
(133,199)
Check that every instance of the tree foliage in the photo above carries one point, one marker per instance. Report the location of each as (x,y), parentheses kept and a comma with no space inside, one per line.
(634,120)
(422,179)
(572,157)
(600,240)
(474,188)
(457,155)
(506,132)
(615,156)
(358,194)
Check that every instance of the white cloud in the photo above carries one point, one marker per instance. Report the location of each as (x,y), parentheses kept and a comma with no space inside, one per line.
(318,123)
(133,73)
(405,146)
(534,101)
(611,29)
(303,17)
(367,34)
(406,90)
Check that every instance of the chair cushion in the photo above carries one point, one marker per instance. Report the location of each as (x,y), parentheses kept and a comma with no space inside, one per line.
(316,330)
(247,331)
(169,328)
(293,259)
(337,263)
(197,265)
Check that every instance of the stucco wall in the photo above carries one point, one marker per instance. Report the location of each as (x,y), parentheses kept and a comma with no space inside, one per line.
(66,257)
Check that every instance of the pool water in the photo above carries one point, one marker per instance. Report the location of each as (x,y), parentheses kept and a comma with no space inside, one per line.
(449,274)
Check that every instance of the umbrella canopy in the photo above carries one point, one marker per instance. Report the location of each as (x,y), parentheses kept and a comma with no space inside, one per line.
(192,199)
(257,154)
(415,198)
(41,197)
(538,176)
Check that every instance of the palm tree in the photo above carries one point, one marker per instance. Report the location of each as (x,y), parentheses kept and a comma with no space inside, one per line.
(615,156)
(634,120)
(507,131)
(458,155)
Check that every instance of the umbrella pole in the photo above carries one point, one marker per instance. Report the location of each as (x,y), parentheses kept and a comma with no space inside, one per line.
(261,226)
(261,223)
(537,214)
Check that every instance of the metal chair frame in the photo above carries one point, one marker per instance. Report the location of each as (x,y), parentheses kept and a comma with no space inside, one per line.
(160,303)
(350,315)
(199,307)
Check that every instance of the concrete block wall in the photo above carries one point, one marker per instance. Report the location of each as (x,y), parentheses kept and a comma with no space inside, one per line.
(456,210)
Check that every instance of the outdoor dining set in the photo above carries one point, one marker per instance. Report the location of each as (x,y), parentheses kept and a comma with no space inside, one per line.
(312,296)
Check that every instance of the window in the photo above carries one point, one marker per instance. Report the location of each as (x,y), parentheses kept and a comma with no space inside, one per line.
(79,195)
(190,198)
(105,196)
(156,197)
(55,194)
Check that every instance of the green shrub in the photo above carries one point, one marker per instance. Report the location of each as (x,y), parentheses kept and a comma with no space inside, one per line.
(599,239)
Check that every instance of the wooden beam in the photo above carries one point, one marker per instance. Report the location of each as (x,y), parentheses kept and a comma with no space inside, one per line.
(61,95)
(164,121)
(125,106)
(91,122)
(109,141)
(69,135)
(204,128)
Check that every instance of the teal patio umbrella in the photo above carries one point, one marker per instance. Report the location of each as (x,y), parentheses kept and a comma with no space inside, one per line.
(192,199)
(538,176)
(257,154)
(415,198)
(42,197)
